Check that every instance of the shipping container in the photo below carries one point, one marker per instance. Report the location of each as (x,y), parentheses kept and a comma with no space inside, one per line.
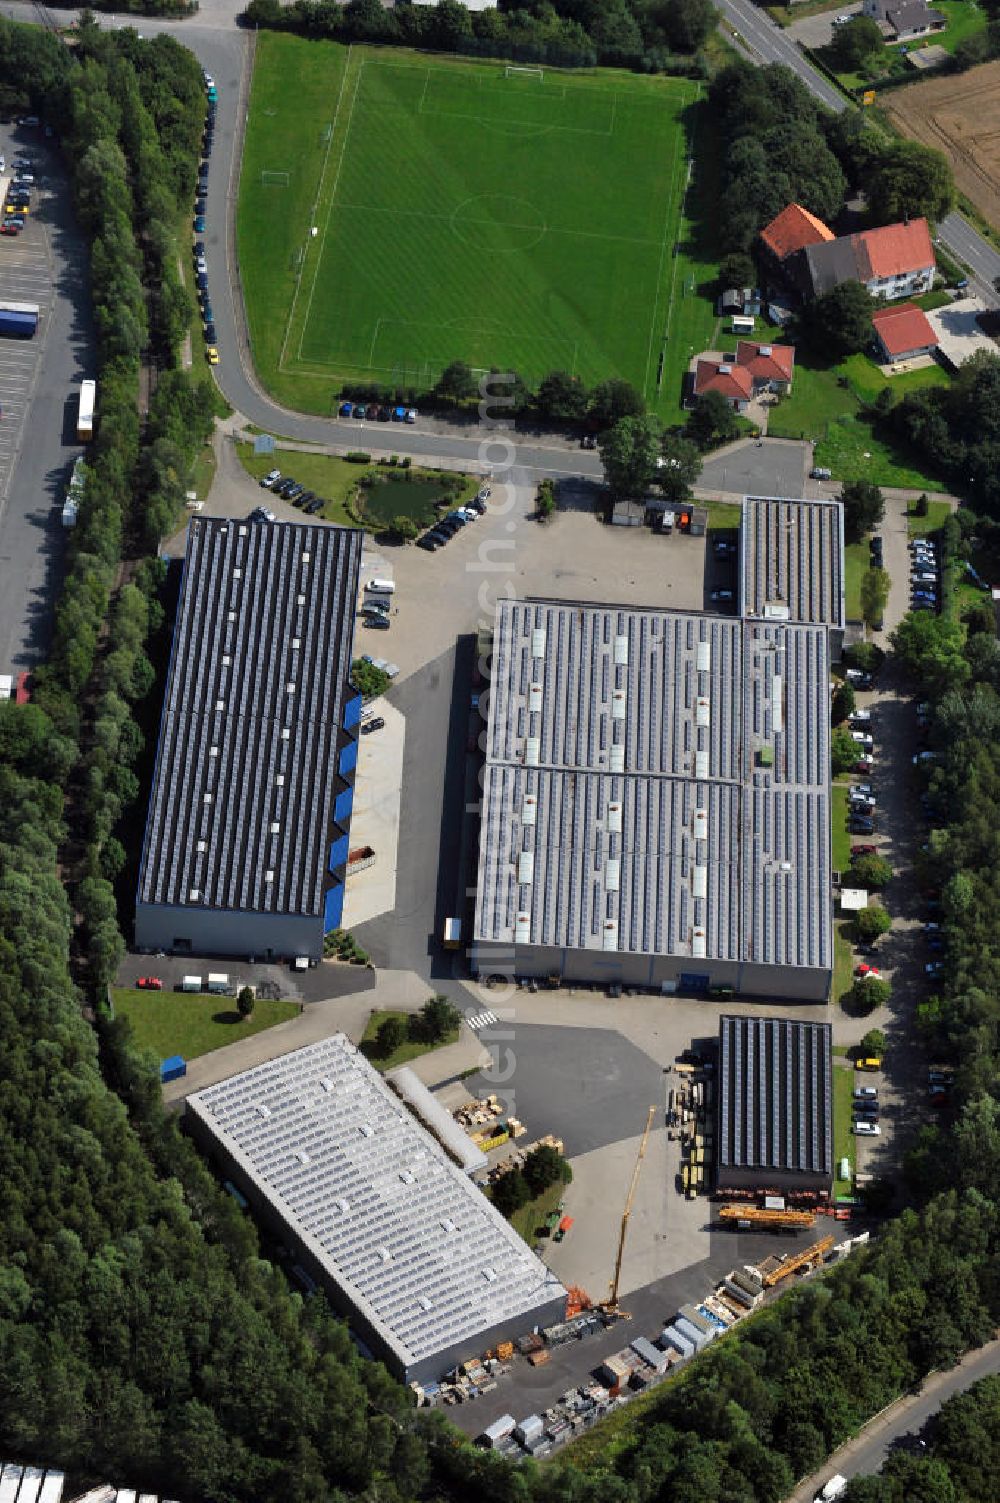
(173,1068)
(676,1339)
(651,1355)
(218,982)
(529,1429)
(190,984)
(498,1431)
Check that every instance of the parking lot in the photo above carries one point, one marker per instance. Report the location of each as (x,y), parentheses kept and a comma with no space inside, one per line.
(45,264)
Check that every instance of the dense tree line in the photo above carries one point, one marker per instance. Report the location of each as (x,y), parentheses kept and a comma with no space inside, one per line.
(656,36)
(956,428)
(781,146)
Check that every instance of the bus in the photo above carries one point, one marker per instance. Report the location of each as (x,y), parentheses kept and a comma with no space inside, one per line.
(85,421)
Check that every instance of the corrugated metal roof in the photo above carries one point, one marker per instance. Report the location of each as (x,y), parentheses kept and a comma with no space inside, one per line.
(252,711)
(703,830)
(775,1088)
(390,1189)
(792,560)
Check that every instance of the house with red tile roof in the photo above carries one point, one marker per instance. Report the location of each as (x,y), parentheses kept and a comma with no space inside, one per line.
(792,230)
(754,369)
(903,333)
(894,261)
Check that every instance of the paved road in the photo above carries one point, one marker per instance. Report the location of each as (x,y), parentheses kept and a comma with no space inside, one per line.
(866,1453)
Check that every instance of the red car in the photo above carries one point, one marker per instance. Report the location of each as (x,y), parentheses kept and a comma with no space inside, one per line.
(149,984)
(863,765)
(866,970)
(22,692)
(864,850)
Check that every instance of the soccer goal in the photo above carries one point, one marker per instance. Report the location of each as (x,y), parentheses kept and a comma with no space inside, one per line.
(274,179)
(513,68)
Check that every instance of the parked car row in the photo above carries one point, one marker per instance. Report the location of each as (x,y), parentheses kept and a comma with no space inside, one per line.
(17,204)
(289,489)
(443,531)
(865,1112)
(374,413)
(924,593)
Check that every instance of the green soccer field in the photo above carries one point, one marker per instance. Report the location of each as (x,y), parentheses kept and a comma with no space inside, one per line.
(525,219)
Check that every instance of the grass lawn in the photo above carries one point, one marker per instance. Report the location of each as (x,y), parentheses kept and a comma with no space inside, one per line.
(203,472)
(692,324)
(816,399)
(938,513)
(408,1050)
(857,561)
(841,840)
(964,18)
(722,515)
(529,1221)
(843,1139)
(843,958)
(336,479)
(191,1023)
(939,298)
(867,380)
(566,262)
(853,451)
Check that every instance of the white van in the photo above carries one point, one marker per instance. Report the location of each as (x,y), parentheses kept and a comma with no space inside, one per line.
(191,984)
(741,325)
(218,981)
(381,586)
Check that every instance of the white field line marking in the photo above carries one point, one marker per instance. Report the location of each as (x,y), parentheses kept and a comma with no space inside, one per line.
(319,192)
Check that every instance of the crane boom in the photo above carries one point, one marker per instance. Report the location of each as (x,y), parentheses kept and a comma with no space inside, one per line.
(612,1304)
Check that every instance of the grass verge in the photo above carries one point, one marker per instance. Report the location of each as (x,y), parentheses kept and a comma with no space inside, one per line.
(840,847)
(191,1023)
(938,513)
(409,1049)
(857,561)
(843,1139)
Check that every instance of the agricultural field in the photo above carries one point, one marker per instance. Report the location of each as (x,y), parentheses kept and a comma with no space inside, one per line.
(963,121)
(398,212)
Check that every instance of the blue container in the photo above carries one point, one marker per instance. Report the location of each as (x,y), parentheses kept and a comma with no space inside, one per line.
(173,1068)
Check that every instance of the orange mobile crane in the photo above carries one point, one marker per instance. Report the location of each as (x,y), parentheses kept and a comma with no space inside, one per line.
(791,1220)
(792,1264)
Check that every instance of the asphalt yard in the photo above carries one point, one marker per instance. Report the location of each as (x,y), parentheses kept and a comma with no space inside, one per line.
(25,277)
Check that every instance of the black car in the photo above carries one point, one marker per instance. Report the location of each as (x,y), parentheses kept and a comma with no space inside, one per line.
(385,414)
(372,725)
(305,498)
(201,205)
(296,490)
(588,441)
(439,537)
(210,334)
(447,526)
(285,487)
(429,543)
(198,249)
(315,506)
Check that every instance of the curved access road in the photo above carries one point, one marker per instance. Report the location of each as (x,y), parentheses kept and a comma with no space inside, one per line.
(867,1452)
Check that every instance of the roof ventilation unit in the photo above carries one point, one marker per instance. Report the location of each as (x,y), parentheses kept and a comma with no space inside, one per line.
(703,660)
(615,818)
(698,943)
(534,698)
(612,874)
(777,704)
(538,642)
(701,765)
(616,758)
(701,824)
(522,928)
(621,651)
(529,809)
(532,751)
(618,705)
(526,868)
(701,711)
(699,881)
(609,935)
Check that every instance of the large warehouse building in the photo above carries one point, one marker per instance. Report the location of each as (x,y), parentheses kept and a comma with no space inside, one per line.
(247,833)
(792,563)
(405,1245)
(656,801)
(775,1104)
